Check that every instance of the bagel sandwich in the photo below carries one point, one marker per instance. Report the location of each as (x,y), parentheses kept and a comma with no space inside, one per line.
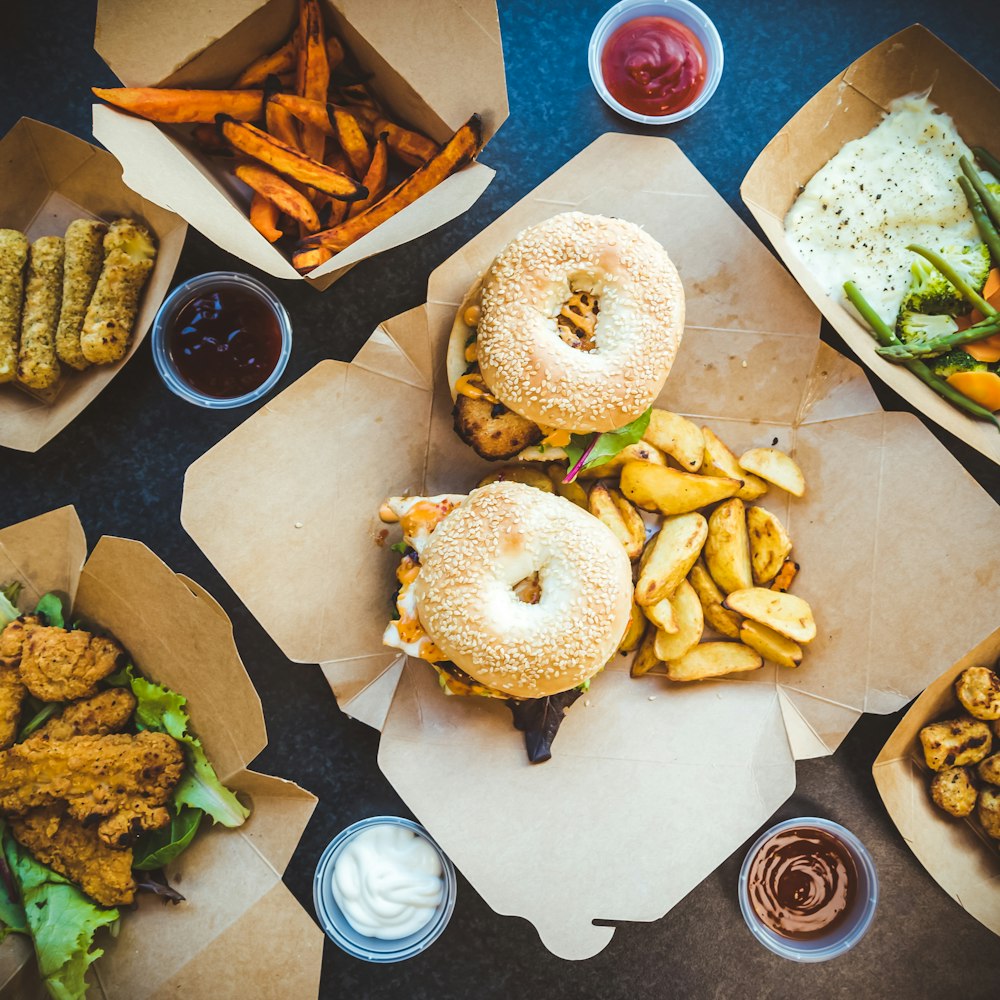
(566,339)
(510,593)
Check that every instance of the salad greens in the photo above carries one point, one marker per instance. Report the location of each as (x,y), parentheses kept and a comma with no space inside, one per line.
(586,451)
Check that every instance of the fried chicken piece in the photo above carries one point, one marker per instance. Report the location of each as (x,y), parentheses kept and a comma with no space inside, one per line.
(61,665)
(121,781)
(492,430)
(74,850)
(13,636)
(104,713)
(12,694)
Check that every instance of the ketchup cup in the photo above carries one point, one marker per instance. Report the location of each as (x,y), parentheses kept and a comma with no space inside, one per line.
(843,933)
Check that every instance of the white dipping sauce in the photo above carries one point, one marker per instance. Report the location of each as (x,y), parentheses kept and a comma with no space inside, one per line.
(894,186)
(388,882)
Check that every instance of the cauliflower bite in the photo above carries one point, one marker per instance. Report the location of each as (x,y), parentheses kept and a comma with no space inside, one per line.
(989,811)
(989,769)
(978,689)
(84,258)
(953,791)
(13,255)
(37,364)
(955,742)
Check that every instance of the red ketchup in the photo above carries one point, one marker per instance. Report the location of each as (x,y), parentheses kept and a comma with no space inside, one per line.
(654,65)
(225,343)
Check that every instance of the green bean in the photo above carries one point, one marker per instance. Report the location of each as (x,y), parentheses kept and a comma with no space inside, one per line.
(988,160)
(886,337)
(961,285)
(990,203)
(983,223)
(942,344)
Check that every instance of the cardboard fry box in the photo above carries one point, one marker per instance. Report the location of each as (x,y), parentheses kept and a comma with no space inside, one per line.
(957,853)
(50,178)
(239,923)
(848,107)
(631,755)
(434,63)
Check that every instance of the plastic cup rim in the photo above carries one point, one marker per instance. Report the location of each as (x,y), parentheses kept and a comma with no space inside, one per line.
(161,356)
(434,927)
(788,947)
(708,33)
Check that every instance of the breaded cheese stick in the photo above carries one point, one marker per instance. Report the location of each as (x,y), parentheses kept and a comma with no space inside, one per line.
(129,252)
(37,364)
(84,259)
(13,254)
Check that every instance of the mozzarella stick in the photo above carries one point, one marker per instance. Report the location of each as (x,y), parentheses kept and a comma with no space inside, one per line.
(84,257)
(37,364)
(13,254)
(129,252)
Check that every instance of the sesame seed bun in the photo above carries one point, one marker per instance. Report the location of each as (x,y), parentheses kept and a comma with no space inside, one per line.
(502,534)
(639,324)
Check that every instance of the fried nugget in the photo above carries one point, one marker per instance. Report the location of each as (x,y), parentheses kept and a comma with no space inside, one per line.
(13,636)
(12,693)
(119,782)
(129,252)
(989,769)
(104,713)
(61,665)
(955,742)
(37,364)
(84,259)
(953,791)
(67,846)
(978,689)
(13,256)
(493,431)
(988,812)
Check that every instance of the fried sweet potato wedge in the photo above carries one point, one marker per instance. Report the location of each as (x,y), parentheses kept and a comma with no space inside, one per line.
(409,146)
(458,151)
(313,71)
(209,141)
(305,260)
(278,62)
(264,217)
(279,192)
(287,161)
(352,140)
(161,104)
(313,113)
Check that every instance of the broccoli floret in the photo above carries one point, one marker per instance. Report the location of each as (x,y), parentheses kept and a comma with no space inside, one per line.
(930,291)
(919,326)
(956,361)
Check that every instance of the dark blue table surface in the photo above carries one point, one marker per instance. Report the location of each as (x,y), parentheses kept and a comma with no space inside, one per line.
(122,463)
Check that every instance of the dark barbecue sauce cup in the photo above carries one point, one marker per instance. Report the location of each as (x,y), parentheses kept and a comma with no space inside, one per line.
(221,340)
(808,889)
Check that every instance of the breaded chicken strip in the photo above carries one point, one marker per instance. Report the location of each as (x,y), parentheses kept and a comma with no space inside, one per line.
(74,850)
(61,665)
(12,694)
(81,269)
(104,713)
(13,256)
(122,781)
(37,364)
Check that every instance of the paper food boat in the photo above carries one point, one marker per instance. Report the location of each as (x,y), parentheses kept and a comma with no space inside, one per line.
(48,178)
(703,766)
(849,106)
(239,924)
(957,853)
(435,62)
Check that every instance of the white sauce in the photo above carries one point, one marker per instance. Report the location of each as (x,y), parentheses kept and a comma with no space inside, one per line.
(894,186)
(388,882)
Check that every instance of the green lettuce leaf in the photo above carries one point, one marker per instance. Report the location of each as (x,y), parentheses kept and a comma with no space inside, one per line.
(51,606)
(157,848)
(62,922)
(8,603)
(601,448)
(162,710)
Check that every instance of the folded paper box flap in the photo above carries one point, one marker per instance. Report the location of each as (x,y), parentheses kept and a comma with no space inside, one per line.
(50,178)
(912,61)
(414,51)
(957,853)
(751,366)
(237,914)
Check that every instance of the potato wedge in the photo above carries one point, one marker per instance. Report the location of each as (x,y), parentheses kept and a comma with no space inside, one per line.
(641,451)
(770,644)
(573,491)
(457,152)
(352,140)
(785,613)
(633,521)
(163,104)
(375,178)
(678,437)
(724,622)
(713,659)
(635,631)
(519,474)
(789,570)
(645,657)
(662,616)
(279,192)
(410,147)
(264,217)
(674,550)
(669,491)
(727,548)
(769,544)
(720,461)
(305,260)
(604,508)
(776,467)
(272,64)
(316,114)
(690,625)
